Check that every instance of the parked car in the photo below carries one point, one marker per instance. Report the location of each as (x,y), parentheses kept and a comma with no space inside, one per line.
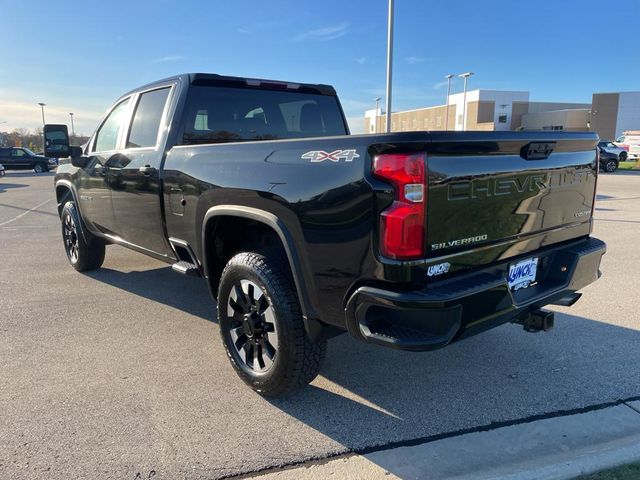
(408,240)
(610,147)
(2,171)
(630,141)
(608,161)
(20,158)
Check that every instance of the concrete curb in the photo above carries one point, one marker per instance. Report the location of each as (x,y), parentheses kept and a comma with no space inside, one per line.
(555,448)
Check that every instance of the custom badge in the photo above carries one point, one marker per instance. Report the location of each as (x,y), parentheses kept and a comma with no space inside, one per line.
(317,156)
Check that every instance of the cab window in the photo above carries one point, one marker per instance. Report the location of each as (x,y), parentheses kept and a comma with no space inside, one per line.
(109,132)
(146,119)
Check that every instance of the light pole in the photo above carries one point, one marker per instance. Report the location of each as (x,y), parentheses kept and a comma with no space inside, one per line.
(73,131)
(389,64)
(446,115)
(464,99)
(42,105)
(377,110)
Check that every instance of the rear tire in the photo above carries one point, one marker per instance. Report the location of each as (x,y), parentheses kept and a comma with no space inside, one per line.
(84,251)
(262,328)
(39,168)
(623,156)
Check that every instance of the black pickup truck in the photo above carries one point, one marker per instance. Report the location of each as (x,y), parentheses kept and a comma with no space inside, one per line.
(408,240)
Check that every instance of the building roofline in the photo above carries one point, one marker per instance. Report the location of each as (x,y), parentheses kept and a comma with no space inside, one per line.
(609,93)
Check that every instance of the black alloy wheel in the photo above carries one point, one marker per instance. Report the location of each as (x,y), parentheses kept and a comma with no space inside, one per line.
(253,329)
(70,236)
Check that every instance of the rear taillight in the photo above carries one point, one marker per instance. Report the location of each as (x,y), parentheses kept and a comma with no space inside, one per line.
(402,225)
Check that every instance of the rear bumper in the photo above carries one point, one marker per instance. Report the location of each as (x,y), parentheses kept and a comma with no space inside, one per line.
(467,304)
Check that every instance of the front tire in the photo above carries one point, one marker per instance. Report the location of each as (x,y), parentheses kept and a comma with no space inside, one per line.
(84,251)
(610,166)
(262,328)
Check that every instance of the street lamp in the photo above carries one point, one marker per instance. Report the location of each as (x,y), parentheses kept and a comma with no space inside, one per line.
(377,110)
(389,63)
(446,115)
(42,105)
(466,76)
(73,131)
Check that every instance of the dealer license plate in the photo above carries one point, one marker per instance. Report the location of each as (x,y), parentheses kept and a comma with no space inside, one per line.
(523,273)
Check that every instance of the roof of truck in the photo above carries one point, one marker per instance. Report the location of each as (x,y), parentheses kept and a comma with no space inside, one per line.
(224,80)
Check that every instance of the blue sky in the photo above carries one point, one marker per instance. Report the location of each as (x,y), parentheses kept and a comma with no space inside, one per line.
(80,55)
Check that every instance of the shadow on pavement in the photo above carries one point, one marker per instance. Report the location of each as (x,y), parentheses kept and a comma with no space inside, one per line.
(163,285)
(8,186)
(27,174)
(27,209)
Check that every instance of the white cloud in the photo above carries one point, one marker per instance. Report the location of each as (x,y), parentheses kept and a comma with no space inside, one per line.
(168,58)
(243,31)
(325,34)
(361,60)
(439,85)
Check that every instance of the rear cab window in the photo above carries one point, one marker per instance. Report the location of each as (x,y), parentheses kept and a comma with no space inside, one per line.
(147,118)
(215,114)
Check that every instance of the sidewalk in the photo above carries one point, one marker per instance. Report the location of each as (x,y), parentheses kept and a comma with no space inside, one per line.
(556,448)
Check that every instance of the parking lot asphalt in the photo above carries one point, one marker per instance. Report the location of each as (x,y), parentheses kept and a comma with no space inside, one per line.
(120,373)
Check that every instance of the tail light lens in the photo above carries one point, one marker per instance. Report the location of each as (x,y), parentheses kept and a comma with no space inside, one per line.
(402,225)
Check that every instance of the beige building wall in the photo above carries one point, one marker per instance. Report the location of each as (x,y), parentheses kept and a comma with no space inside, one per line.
(570,120)
(518,109)
(480,115)
(432,118)
(605,114)
(538,107)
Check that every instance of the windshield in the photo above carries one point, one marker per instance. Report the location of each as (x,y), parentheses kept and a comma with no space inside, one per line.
(29,152)
(225,114)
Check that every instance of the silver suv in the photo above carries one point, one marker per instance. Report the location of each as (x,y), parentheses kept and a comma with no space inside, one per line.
(610,147)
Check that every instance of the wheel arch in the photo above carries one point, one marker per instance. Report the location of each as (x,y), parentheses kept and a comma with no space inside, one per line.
(302,278)
(64,191)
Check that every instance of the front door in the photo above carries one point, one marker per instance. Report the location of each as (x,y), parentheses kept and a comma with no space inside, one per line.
(19,160)
(94,180)
(135,177)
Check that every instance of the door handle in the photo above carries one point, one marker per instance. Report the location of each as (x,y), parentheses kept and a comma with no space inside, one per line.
(147,170)
(101,169)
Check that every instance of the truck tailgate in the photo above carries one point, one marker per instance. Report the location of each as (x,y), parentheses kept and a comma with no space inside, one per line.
(486,188)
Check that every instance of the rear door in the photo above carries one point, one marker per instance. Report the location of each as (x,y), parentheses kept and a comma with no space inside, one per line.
(135,178)
(5,156)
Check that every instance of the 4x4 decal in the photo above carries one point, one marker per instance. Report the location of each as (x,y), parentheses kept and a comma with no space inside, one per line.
(320,155)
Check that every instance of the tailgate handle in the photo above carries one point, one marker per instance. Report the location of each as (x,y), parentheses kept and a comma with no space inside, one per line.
(537,150)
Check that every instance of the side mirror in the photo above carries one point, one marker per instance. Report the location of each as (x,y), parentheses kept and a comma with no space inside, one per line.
(79,162)
(56,141)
